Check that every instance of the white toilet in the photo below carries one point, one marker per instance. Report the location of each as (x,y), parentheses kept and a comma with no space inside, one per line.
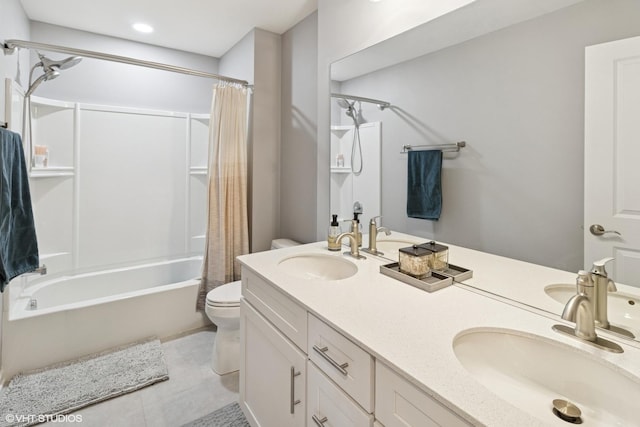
(223,309)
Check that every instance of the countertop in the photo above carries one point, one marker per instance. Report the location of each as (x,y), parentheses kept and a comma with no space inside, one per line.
(413,331)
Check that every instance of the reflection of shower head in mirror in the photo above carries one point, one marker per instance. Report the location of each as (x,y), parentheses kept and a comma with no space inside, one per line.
(351,110)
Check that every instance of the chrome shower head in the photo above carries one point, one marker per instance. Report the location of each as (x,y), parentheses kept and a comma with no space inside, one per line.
(343,103)
(48,75)
(61,64)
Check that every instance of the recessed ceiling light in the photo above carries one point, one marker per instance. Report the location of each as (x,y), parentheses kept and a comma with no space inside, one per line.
(142,27)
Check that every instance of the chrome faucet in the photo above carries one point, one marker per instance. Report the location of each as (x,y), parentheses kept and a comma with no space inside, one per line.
(602,286)
(373,236)
(579,309)
(353,240)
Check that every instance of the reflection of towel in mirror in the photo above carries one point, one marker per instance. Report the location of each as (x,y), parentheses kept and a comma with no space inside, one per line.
(18,244)
(424,185)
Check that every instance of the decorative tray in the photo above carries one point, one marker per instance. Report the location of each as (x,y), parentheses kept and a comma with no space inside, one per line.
(457,273)
(436,280)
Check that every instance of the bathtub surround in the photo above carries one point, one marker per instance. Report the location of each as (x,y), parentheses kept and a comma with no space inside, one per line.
(227,229)
(67,387)
(18,243)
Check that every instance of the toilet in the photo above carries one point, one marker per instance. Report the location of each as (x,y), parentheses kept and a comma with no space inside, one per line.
(223,309)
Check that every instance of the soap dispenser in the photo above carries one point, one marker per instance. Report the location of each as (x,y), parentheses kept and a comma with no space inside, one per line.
(334,231)
(358,231)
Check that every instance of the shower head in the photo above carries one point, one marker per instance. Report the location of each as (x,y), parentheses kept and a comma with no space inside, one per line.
(343,103)
(48,75)
(51,70)
(61,64)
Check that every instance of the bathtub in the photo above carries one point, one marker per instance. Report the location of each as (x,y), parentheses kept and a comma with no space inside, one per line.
(67,317)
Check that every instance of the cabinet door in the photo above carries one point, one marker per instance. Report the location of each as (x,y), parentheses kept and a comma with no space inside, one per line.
(400,404)
(329,406)
(272,373)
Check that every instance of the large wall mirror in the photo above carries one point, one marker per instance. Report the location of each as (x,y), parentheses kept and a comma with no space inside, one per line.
(509,79)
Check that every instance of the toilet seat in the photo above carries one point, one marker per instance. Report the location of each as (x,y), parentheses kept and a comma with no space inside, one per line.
(227,295)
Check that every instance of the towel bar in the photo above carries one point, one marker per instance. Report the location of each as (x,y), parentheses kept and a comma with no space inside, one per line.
(444,147)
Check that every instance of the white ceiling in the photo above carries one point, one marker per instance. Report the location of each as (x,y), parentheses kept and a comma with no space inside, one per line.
(208,27)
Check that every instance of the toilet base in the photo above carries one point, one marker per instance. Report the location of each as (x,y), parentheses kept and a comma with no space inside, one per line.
(226,351)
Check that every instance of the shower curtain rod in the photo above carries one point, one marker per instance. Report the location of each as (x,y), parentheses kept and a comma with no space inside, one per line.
(381,104)
(10,47)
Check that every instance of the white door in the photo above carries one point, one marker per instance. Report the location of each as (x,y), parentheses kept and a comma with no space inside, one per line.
(612,157)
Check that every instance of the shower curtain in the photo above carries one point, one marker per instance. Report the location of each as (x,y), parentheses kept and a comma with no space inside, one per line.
(227,234)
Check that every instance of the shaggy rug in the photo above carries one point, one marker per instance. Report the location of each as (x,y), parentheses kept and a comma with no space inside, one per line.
(38,396)
(227,416)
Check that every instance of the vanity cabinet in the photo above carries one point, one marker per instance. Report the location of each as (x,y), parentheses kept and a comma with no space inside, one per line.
(273,373)
(399,403)
(272,366)
(296,370)
(330,406)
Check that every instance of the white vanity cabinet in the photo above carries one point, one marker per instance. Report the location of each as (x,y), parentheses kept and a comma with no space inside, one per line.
(399,403)
(329,406)
(296,370)
(272,368)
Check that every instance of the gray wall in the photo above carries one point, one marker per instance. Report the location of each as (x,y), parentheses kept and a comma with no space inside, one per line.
(517,97)
(299,131)
(13,25)
(256,58)
(104,82)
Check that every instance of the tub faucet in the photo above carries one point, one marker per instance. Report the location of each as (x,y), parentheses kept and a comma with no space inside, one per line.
(353,241)
(373,236)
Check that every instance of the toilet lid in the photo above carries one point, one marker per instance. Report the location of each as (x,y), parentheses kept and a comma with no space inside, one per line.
(227,294)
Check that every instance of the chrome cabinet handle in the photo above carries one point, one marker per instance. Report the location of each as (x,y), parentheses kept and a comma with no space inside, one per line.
(598,230)
(340,367)
(319,422)
(294,401)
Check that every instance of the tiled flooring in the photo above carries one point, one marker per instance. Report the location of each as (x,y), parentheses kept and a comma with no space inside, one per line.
(192,391)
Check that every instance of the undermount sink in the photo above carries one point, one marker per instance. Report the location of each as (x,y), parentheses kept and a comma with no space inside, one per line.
(318,267)
(530,372)
(622,309)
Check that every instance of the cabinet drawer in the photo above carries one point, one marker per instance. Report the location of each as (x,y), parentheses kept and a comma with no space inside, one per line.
(328,406)
(401,404)
(349,366)
(278,308)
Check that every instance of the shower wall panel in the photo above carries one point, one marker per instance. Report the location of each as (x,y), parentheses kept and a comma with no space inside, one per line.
(132,183)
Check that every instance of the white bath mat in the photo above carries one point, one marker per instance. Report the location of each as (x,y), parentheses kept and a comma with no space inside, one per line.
(63,388)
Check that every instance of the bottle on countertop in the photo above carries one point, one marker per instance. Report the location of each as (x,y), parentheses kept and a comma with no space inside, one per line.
(358,231)
(334,231)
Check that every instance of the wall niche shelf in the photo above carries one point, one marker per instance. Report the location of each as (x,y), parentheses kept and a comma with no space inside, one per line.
(335,169)
(52,172)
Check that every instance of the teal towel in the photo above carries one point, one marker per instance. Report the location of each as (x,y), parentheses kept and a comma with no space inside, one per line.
(18,244)
(424,184)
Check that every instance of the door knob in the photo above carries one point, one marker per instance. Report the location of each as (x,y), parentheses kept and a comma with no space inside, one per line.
(598,230)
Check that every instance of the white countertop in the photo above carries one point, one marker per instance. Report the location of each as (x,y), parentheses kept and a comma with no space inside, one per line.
(412,330)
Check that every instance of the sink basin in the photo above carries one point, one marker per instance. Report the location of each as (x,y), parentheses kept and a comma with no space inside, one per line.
(318,267)
(623,309)
(530,371)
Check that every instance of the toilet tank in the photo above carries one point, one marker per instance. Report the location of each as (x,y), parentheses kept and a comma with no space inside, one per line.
(283,243)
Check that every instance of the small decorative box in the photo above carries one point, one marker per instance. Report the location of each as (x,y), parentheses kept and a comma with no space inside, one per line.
(415,261)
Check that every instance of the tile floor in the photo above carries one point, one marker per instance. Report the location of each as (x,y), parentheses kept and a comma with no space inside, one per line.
(192,391)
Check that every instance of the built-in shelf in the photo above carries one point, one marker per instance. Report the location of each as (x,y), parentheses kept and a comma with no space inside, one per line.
(335,169)
(198,170)
(52,172)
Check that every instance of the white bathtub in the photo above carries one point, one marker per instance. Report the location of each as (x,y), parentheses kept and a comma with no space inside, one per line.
(91,312)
